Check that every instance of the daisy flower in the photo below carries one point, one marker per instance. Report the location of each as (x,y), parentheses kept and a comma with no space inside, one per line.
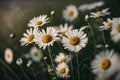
(97,4)
(84,7)
(75,40)
(29,36)
(38,21)
(105,63)
(62,70)
(70,13)
(35,54)
(104,12)
(64,28)
(107,25)
(47,38)
(8,55)
(62,58)
(115,33)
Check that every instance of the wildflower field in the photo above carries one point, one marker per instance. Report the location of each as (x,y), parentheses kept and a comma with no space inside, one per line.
(60,40)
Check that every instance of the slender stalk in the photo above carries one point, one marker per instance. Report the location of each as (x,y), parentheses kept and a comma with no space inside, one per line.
(9,69)
(92,36)
(103,35)
(50,57)
(71,60)
(60,46)
(24,72)
(77,66)
(33,73)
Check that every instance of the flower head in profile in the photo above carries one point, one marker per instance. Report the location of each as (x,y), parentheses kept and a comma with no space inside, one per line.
(38,21)
(8,55)
(35,54)
(84,7)
(115,33)
(64,28)
(105,63)
(46,38)
(62,70)
(107,25)
(97,4)
(75,40)
(104,12)
(29,36)
(70,13)
(62,58)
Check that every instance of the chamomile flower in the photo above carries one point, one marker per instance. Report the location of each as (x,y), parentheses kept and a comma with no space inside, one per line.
(115,33)
(70,13)
(29,36)
(62,58)
(97,4)
(47,38)
(8,55)
(104,12)
(107,25)
(105,63)
(62,70)
(75,40)
(38,21)
(35,54)
(64,28)
(84,7)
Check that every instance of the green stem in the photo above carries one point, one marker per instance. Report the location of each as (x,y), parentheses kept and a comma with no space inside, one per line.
(77,66)
(33,73)
(71,60)
(9,69)
(103,35)
(60,46)
(50,57)
(24,73)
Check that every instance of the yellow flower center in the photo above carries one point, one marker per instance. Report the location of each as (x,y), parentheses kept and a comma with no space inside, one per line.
(8,56)
(62,70)
(62,60)
(75,40)
(38,23)
(118,27)
(105,64)
(109,25)
(96,6)
(63,34)
(36,53)
(99,14)
(47,38)
(30,38)
(70,13)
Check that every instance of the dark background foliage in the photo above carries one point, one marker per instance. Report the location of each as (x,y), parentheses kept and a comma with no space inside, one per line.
(14,16)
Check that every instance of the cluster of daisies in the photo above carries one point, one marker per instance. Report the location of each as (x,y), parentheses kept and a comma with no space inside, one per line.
(105,64)
(71,12)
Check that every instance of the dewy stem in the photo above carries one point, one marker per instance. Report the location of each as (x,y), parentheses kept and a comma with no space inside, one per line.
(9,69)
(77,66)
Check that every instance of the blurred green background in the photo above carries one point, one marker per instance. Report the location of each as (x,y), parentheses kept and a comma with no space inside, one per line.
(15,15)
